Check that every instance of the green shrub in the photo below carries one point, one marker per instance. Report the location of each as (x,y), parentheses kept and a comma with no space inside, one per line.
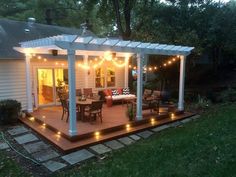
(130,112)
(200,105)
(9,111)
(228,95)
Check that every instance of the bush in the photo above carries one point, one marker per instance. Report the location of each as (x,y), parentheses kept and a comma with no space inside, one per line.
(228,95)
(201,104)
(9,111)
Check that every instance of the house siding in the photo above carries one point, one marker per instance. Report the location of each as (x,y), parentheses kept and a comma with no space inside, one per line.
(13,81)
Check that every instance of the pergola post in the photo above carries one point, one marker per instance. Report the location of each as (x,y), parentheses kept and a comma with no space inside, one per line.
(72,95)
(126,71)
(86,71)
(140,58)
(28,83)
(181,83)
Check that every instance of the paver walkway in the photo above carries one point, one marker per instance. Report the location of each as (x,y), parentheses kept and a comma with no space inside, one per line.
(52,160)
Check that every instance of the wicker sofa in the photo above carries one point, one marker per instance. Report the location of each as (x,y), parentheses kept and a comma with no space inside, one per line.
(117,95)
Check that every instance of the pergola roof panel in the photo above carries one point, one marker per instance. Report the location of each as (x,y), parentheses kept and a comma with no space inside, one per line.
(102,44)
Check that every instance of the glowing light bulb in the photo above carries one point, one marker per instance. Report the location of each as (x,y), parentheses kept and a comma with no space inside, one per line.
(97,133)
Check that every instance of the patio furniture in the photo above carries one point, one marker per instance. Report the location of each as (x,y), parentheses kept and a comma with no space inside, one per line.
(149,104)
(63,96)
(88,92)
(128,100)
(78,92)
(147,93)
(156,94)
(117,95)
(65,109)
(83,105)
(95,110)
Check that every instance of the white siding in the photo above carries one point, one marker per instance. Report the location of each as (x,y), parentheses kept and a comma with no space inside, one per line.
(12,81)
(120,77)
(80,77)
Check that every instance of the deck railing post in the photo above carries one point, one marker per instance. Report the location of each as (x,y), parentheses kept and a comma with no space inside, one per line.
(181,83)
(72,95)
(28,83)
(140,58)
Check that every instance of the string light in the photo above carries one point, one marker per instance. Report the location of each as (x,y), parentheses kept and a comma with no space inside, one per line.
(152,68)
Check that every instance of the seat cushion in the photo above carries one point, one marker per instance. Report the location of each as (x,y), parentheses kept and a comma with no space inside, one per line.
(120,97)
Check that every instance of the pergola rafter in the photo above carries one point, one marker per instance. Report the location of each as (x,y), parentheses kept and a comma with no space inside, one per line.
(104,44)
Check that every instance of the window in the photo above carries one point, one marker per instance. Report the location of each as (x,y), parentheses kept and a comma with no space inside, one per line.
(105,77)
(111,77)
(99,78)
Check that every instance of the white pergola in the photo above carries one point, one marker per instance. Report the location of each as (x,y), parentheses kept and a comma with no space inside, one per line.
(71,45)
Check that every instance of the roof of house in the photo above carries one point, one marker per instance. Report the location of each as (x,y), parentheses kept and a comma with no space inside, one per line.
(12,32)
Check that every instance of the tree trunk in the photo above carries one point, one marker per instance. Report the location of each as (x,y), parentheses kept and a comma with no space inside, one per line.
(128,4)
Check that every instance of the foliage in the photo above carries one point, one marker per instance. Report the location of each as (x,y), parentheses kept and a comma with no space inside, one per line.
(9,111)
(209,26)
(202,104)
(228,95)
(9,167)
(204,147)
(130,112)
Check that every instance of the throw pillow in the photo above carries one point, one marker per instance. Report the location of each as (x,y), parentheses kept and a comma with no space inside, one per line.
(107,92)
(126,91)
(115,92)
(120,90)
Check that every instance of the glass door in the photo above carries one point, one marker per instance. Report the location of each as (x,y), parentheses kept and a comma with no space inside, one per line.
(45,87)
(61,78)
(48,82)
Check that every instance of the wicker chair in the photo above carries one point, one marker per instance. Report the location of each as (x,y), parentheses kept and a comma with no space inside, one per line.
(88,92)
(95,110)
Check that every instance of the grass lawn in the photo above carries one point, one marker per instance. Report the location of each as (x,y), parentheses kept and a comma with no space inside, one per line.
(9,168)
(205,147)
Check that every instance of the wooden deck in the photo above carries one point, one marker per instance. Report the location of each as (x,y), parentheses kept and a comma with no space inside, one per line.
(47,122)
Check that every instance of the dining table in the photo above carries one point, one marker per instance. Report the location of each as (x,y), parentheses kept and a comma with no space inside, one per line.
(82,104)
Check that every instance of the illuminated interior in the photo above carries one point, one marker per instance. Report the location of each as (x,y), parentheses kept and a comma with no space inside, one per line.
(47,84)
(105,76)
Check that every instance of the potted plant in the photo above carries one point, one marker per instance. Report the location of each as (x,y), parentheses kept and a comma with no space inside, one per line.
(130,112)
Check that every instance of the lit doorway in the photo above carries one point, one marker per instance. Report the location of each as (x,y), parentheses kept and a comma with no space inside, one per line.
(48,80)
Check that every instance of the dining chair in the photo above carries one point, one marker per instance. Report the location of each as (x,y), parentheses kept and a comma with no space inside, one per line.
(95,110)
(88,92)
(65,109)
(78,92)
(65,105)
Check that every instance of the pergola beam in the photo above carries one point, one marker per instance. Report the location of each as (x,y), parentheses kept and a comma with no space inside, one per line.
(97,47)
